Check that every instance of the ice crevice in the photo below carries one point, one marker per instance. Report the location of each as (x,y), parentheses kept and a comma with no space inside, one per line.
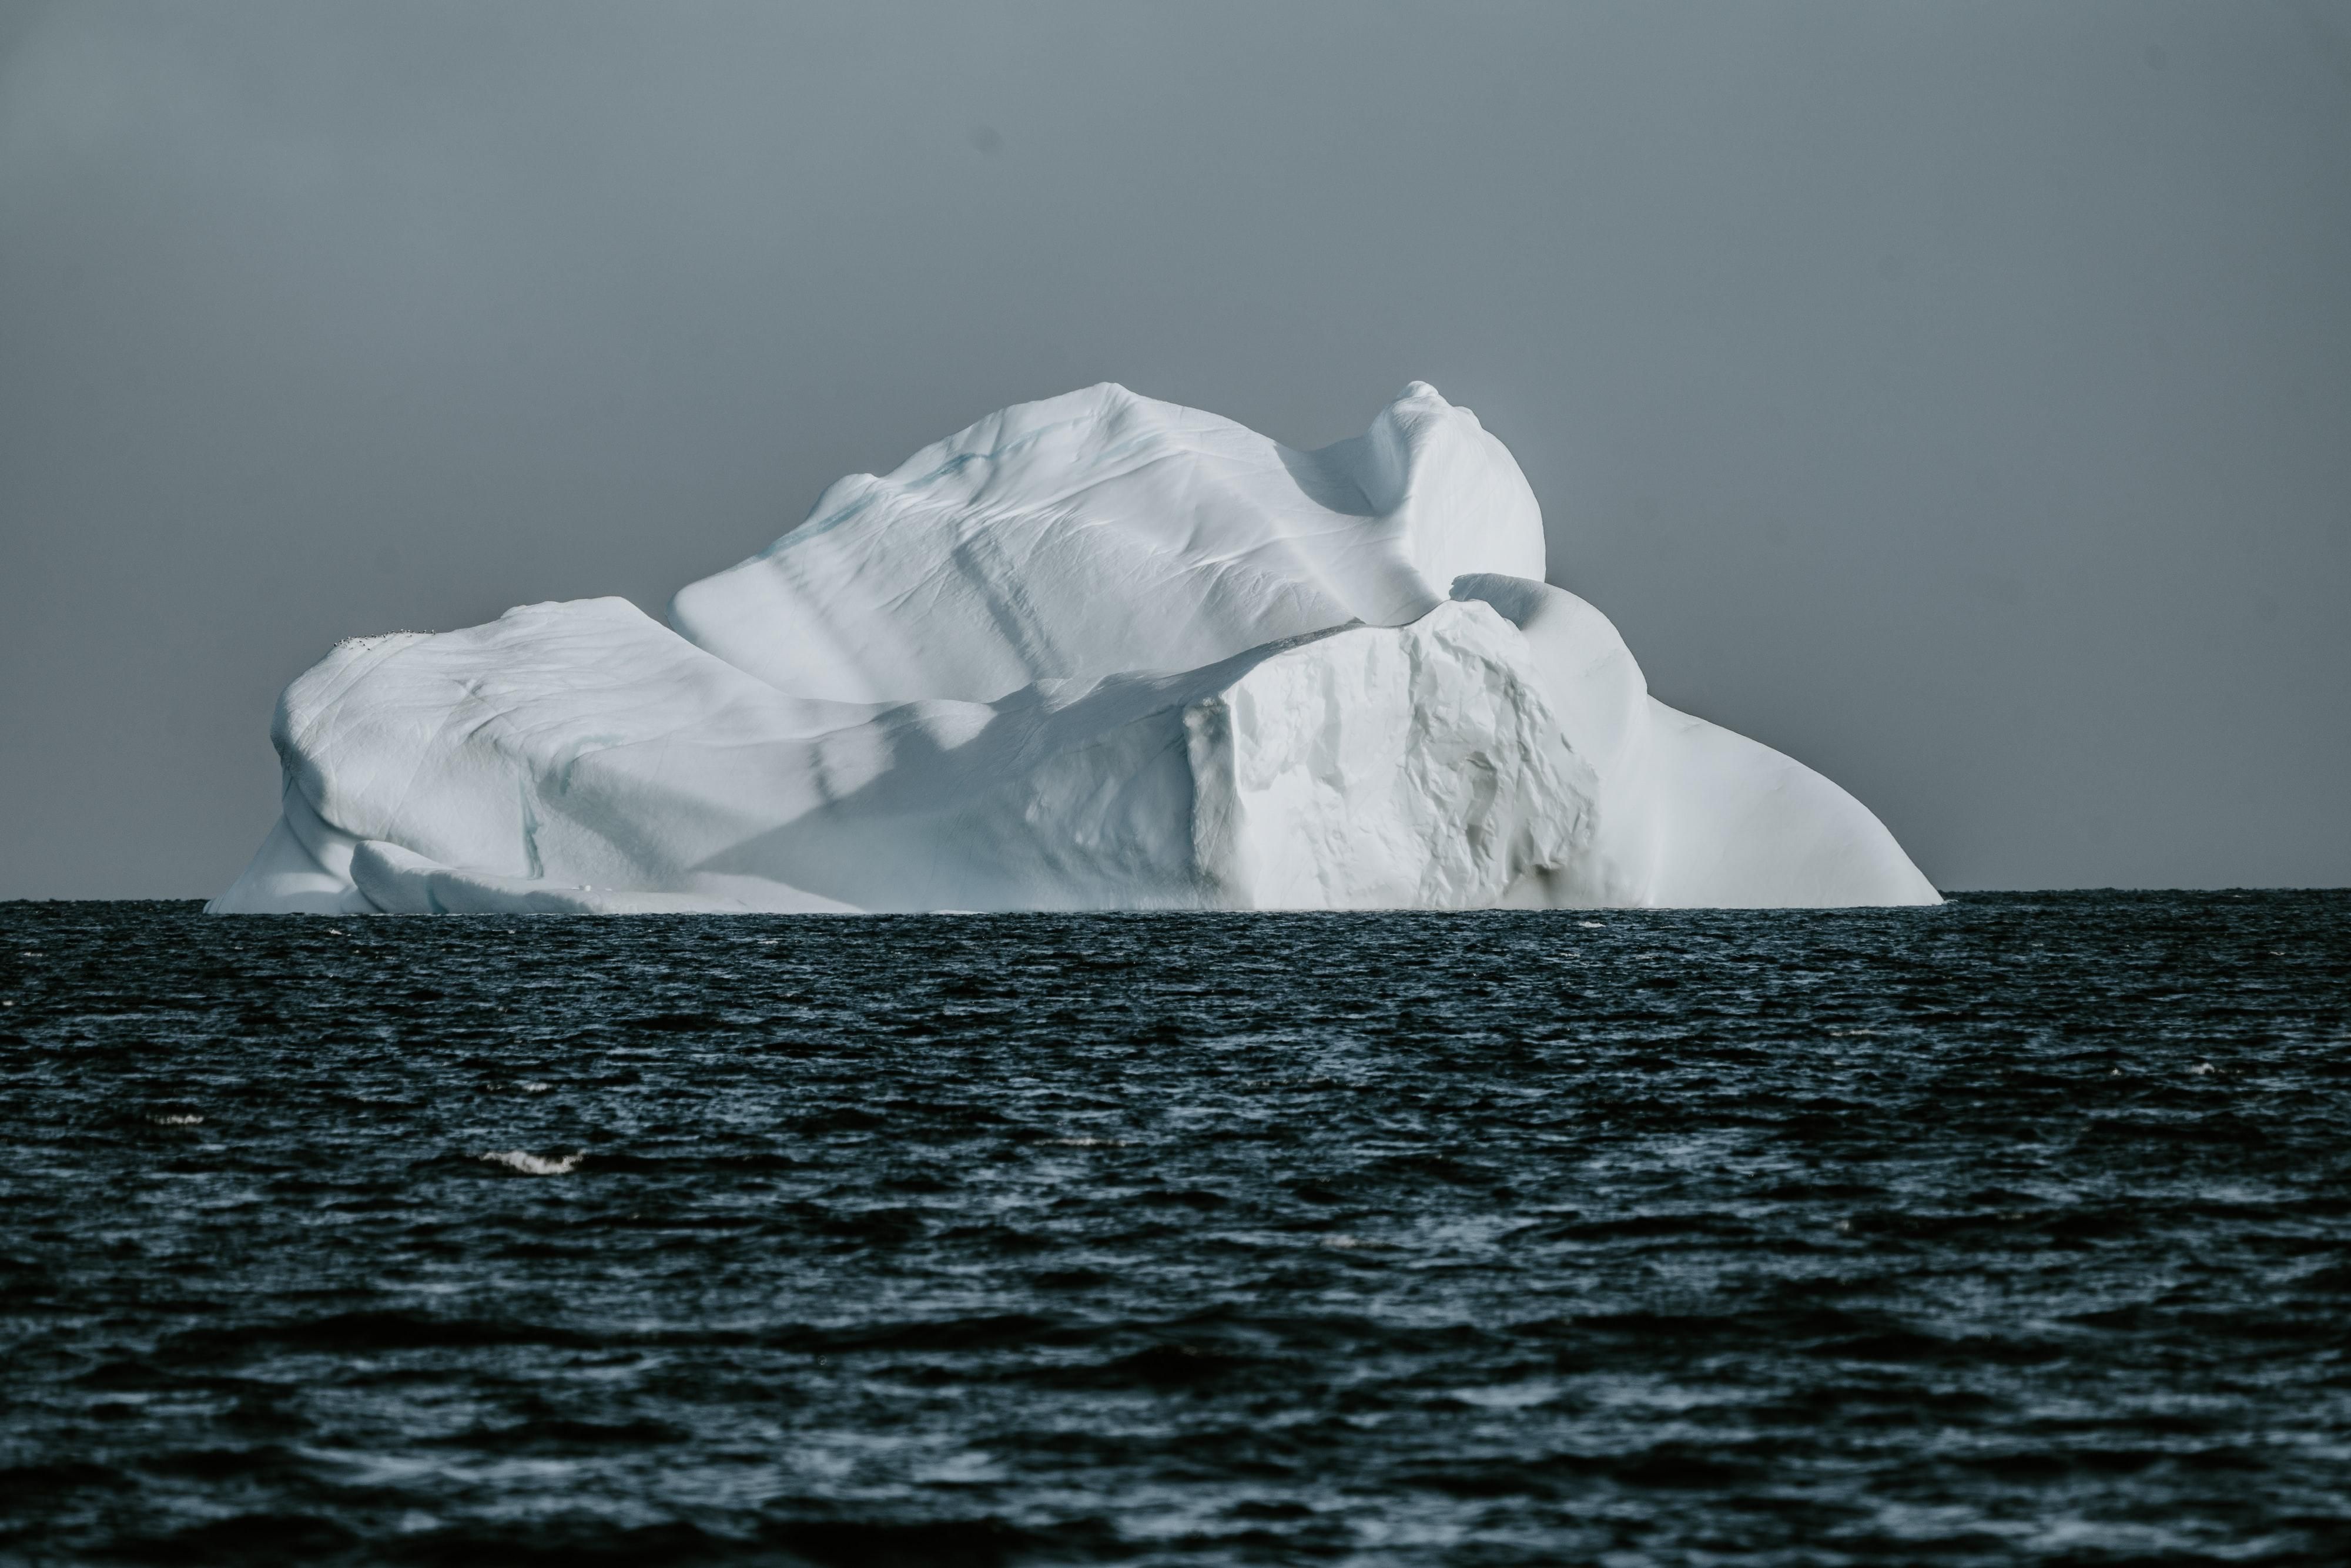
(1094,652)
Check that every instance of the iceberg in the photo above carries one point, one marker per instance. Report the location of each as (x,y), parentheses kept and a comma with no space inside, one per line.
(1093,653)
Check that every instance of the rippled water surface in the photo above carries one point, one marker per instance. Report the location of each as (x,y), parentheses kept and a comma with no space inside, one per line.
(2016,1230)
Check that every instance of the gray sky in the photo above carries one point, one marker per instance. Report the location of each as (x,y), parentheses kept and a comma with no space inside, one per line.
(1956,396)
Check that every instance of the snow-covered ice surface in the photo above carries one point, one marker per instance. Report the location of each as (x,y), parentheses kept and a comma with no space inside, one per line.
(1097,652)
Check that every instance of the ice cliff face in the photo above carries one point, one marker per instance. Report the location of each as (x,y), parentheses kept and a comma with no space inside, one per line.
(1092,652)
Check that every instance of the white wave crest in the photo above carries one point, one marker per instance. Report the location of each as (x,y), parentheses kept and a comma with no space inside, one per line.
(528,1164)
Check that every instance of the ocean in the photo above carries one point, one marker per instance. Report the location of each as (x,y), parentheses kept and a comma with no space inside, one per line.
(2016,1230)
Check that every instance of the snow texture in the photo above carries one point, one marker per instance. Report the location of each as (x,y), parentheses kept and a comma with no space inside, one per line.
(1093,653)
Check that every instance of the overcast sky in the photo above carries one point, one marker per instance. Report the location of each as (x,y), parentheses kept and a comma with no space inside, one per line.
(1955,396)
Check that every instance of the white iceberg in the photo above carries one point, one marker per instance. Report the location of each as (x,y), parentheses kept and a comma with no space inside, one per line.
(1093,653)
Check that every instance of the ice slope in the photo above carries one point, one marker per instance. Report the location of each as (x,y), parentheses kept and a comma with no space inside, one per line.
(1100,531)
(1688,814)
(1092,653)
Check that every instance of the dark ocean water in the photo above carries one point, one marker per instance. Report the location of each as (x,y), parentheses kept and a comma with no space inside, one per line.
(2013,1231)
